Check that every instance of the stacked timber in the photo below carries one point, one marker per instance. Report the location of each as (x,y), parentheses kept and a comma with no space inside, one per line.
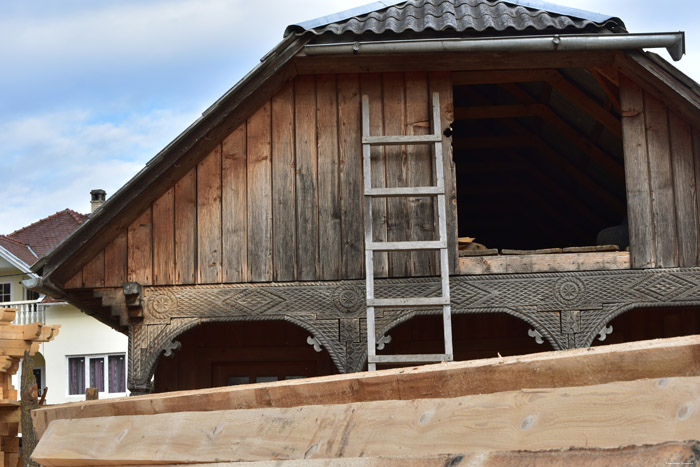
(15,340)
(627,404)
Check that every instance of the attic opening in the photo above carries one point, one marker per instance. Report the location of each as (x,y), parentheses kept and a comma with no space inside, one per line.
(538,156)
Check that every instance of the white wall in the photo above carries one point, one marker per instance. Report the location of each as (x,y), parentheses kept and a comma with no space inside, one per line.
(79,335)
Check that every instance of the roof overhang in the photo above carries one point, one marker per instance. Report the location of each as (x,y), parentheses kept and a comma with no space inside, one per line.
(16,262)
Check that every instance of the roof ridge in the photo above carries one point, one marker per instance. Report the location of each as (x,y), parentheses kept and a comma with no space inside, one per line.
(76,216)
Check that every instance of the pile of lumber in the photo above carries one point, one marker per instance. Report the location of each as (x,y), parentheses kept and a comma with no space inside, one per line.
(626,404)
(15,340)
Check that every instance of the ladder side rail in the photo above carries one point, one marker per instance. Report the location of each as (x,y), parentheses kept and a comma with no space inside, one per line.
(369,253)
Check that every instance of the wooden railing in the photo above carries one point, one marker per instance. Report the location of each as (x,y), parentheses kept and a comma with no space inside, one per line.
(28,311)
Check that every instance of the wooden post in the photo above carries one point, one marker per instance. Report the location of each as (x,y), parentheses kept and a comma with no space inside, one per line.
(28,403)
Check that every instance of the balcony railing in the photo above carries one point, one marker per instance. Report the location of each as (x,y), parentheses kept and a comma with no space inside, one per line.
(28,311)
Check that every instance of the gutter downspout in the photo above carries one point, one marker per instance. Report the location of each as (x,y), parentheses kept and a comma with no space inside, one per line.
(674,42)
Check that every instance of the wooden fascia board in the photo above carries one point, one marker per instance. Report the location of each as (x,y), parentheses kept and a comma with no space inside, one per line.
(168,166)
(661,84)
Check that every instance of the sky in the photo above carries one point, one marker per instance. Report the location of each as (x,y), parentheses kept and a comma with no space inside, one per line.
(92,90)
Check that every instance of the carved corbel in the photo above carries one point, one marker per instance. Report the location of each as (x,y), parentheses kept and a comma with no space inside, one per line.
(133,294)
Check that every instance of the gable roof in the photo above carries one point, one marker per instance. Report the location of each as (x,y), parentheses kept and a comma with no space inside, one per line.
(275,69)
(464,16)
(36,240)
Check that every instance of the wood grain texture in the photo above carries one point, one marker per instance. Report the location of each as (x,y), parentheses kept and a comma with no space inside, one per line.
(638,412)
(607,261)
(209,218)
(259,196)
(284,230)
(186,229)
(696,160)
(306,177)
(351,197)
(94,271)
(234,214)
(684,190)
(140,247)
(642,245)
(578,367)
(329,234)
(115,261)
(661,182)
(75,282)
(164,239)
(422,217)
(398,225)
(441,82)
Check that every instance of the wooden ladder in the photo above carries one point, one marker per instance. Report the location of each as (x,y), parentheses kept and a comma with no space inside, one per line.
(438,191)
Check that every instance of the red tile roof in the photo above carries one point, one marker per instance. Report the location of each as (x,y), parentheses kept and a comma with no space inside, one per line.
(42,236)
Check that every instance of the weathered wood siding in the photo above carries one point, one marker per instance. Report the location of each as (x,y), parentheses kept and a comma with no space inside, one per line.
(662,166)
(280,198)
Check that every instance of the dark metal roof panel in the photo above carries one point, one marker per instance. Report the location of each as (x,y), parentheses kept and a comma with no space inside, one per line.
(460,16)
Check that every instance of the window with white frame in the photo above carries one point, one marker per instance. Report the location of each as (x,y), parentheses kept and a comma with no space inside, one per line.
(5,292)
(106,372)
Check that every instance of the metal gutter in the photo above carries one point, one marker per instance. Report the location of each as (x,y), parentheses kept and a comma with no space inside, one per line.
(16,262)
(674,42)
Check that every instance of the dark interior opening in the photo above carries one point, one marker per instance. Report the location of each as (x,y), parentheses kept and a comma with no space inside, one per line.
(652,323)
(538,156)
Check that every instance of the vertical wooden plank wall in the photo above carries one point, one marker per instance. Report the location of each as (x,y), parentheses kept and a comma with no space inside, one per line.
(661,173)
(280,199)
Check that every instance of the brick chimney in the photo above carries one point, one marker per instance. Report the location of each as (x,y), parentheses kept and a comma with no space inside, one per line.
(97,198)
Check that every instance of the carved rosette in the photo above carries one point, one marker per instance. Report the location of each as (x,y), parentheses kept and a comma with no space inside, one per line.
(161,305)
(349,299)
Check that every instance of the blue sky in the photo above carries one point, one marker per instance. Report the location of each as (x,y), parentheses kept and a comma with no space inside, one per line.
(91,90)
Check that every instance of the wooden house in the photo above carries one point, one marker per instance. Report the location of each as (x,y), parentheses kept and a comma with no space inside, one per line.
(239,250)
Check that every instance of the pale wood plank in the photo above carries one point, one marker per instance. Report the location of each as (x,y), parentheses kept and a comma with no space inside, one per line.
(351,197)
(306,177)
(209,218)
(284,230)
(259,196)
(94,271)
(638,412)
(115,261)
(420,173)
(234,214)
(140,248)
(186,229)
(164,239)
(396,170)
(371,86)
(329,235)
(684,190)
(441,82)
(577,367)
(661,182)
(544,263)
(642,246)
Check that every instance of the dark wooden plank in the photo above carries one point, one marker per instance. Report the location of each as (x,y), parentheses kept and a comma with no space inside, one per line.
(75,282)
(696,160)
(371,86)
(186,229)
(140,248)
(420,173)
(209,218)
(661,182)
(441,82)
(396,170)
(350,152)
(307,177)
(642,247)
(94,271)
(329,234)
(685,190)
(115,261)
(164,239)
(283,186)
(234,214)
(259,196)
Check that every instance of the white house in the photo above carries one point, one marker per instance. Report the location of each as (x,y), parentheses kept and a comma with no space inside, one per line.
(86,353)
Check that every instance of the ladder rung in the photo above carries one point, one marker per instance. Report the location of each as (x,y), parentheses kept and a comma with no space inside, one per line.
(401,140)
(408,301)
(406,191)
(415,358)
(391,246)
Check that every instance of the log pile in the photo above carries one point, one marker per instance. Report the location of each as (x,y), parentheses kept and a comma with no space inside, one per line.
(15,340)
(622,404)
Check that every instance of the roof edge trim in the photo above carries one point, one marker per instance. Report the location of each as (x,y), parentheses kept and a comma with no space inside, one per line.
(340,16)
(16,262)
